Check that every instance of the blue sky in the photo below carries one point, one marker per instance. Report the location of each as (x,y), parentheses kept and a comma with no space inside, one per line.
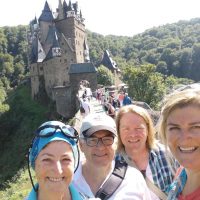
(125,17)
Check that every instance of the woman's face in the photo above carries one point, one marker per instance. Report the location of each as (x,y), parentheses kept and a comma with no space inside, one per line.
(54,167)
(183,135)
(133,132)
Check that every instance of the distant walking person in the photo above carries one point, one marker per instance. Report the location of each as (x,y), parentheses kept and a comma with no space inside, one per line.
(121,98)
(85,107)
(126,100)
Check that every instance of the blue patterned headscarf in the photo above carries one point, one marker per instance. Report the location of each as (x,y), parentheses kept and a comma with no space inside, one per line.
(40,142)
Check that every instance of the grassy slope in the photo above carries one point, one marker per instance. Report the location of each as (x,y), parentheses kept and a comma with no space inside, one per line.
(16,132)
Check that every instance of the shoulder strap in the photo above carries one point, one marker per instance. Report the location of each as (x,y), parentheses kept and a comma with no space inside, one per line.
(155,189)
(113,182)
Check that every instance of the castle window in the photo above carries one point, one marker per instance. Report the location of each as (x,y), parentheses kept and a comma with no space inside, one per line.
(60,60)
(41,69)
(80,52)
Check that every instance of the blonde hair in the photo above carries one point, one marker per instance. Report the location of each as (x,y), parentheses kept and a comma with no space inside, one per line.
(177,99)
(142,113)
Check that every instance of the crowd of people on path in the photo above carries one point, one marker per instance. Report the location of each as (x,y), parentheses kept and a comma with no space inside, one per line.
(112,100)
(121,158)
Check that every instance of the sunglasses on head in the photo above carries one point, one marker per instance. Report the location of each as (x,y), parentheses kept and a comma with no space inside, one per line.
(49,130)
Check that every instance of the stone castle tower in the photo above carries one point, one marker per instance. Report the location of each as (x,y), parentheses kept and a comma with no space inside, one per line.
(57,40)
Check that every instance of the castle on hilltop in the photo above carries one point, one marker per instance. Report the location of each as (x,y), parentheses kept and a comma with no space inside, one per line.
(59,56)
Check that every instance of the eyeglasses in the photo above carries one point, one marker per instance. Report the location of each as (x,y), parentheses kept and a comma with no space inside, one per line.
(94,141)
(49,130)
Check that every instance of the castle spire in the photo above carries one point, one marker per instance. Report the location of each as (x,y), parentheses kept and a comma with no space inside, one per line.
(60,10)
(81,14)
(47,14)
(70,5)
(65,8)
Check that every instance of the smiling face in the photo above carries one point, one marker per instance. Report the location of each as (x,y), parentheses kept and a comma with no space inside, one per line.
(133,132)
(99,155)
(183,135)
(54,167)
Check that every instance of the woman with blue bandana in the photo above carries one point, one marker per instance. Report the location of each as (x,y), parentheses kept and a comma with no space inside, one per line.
(54,157)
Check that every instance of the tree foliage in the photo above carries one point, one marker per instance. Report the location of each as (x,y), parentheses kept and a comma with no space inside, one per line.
(145,84)
(104,76)
(173,48)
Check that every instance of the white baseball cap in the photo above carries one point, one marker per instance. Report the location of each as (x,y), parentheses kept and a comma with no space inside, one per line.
(96,122)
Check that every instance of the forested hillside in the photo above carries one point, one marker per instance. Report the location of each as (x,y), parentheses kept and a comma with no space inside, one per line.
(146,61)
(173,48)
(13,61)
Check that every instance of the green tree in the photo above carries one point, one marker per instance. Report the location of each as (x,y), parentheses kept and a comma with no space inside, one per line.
(104,76)
(162,67)
(185,62)
(196,62)
(3,107)
(3,42)
(145,84)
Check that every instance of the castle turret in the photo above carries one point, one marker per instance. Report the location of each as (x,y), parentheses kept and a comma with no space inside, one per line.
(55,50)
(60,10)
(86,51)
(73,28)
(46,19)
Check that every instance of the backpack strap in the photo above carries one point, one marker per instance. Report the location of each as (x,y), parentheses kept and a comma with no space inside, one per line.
(156,190)
(113,182)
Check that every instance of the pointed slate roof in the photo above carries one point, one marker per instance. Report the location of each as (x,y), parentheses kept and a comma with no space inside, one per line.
(81,14)
(37,52)
(65,7)
(85,45)
(47,15)
(41,53)
(75,7)
(50,36)
(108,61)
(35,20)
(55,50)
(70,6)
(82,68)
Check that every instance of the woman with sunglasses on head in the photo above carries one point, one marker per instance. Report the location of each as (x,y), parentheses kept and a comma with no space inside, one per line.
(54,157)
(179,129)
